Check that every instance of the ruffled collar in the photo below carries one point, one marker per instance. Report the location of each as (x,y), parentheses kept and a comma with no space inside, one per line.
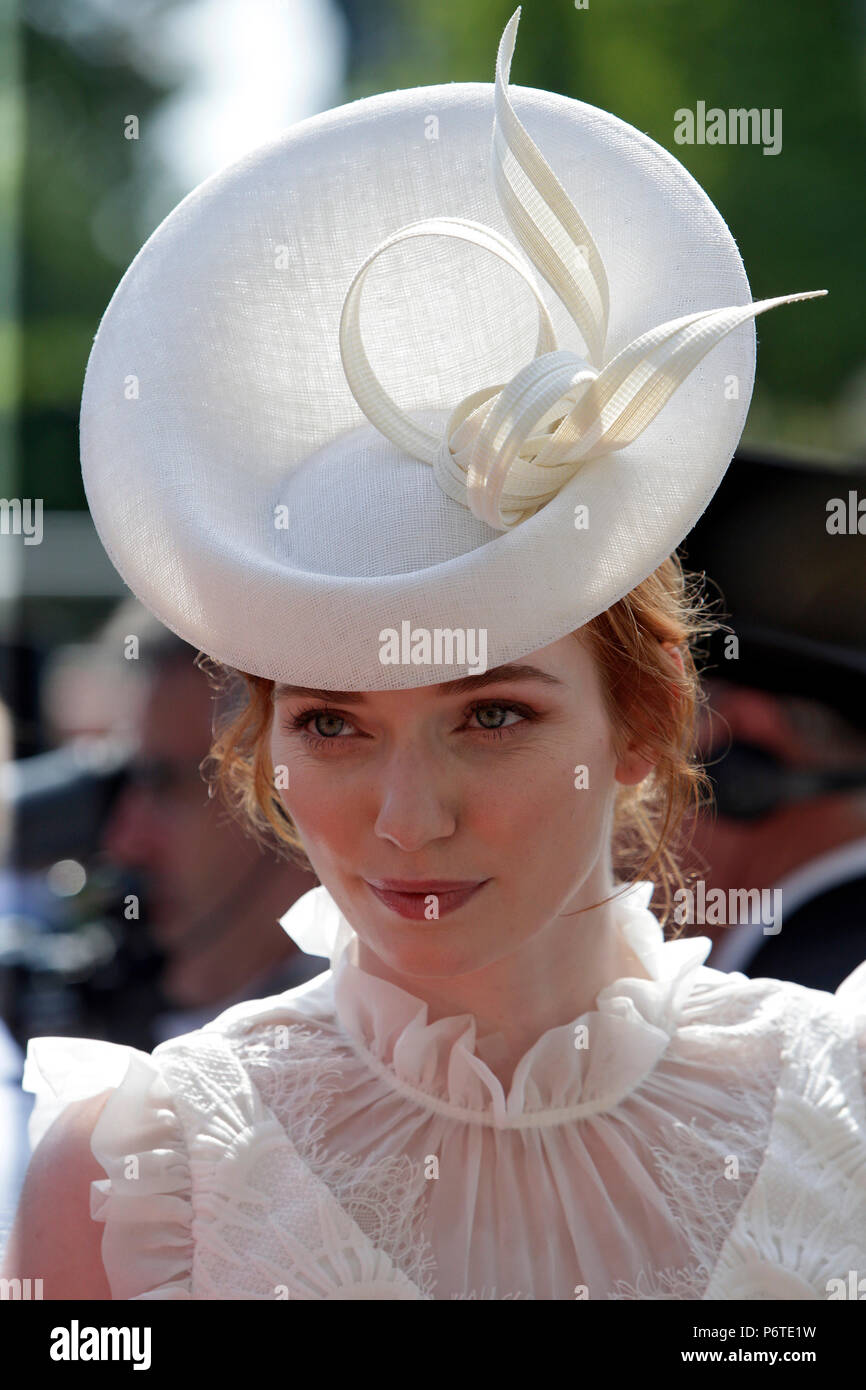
(578,1068)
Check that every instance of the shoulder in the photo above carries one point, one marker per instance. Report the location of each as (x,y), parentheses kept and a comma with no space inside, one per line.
(739,1015)
(54,1238)
(808,1038)
(803,1224)
(117,1135)
(296,1027)
(109,1175)
(821,1037)
(732,997)
(310,1003)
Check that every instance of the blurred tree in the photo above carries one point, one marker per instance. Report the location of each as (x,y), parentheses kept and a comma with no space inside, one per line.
(11,117)
(84,185)
(89,196)
(797,216)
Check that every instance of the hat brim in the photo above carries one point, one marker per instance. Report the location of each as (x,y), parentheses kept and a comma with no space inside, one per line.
(216,373)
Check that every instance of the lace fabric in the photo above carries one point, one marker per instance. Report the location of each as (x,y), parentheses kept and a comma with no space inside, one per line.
(312,1082)
(804,1231)
(694,1172)
(689,1160)
(385,1197)
(298,1147)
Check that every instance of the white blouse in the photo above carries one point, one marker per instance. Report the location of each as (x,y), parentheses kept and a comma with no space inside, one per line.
(696,1135)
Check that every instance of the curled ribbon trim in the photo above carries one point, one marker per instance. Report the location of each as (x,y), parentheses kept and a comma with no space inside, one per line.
(508,449)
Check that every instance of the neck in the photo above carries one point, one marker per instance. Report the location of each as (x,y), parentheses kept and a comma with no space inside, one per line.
(552,978)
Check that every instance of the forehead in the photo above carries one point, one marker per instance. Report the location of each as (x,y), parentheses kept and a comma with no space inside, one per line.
(550,667)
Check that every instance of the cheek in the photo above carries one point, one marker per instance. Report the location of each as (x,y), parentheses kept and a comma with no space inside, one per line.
(550,797)
(316,797)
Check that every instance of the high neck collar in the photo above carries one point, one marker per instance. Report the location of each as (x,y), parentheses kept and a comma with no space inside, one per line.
(581,1067)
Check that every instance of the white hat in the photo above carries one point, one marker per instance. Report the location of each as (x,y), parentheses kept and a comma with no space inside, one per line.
(286,499)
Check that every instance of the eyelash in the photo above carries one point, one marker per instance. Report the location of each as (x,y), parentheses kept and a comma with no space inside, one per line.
(297,723)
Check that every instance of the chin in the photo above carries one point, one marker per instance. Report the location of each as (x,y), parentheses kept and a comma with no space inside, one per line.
(432,950)
(431,965)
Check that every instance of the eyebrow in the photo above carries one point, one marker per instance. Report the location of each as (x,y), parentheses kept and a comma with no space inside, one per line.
(463,686)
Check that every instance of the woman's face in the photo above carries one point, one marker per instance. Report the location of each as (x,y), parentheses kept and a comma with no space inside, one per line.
(476,781)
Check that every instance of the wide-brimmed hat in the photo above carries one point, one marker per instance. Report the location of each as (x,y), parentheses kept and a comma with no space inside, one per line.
(430,379)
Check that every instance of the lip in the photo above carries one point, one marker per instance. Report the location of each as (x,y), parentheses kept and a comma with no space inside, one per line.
(408,897)
(424,885)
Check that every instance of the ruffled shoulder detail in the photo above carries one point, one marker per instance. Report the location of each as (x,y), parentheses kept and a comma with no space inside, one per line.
(803,1226)
(58,1071)
(850,997)
(145,1200)
(851,993)
(266,1224)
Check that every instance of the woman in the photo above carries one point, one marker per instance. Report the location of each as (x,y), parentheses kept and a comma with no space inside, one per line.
(462,640)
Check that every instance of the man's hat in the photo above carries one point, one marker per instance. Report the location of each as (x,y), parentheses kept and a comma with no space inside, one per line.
(781,542)
(331,402)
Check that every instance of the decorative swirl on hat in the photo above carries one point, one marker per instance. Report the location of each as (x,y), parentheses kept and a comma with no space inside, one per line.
(509,449)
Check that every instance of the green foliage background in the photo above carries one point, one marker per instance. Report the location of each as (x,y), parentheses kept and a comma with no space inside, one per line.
(797,217)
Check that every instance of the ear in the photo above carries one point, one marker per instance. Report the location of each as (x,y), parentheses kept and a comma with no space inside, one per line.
(633,767)
(673,651)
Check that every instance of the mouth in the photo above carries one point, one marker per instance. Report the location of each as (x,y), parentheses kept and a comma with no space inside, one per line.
(425,901)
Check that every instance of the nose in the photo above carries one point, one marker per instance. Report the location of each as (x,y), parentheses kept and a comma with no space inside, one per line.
(415,805)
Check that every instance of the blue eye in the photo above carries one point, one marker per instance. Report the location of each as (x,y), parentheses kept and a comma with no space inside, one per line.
(298,724)
(326,717)
(497,709)
(321,737)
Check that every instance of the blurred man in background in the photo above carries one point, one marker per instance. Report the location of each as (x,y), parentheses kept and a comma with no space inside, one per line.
(15,1106)
(135,907)
(121,809)
(213,896)
(785,736)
